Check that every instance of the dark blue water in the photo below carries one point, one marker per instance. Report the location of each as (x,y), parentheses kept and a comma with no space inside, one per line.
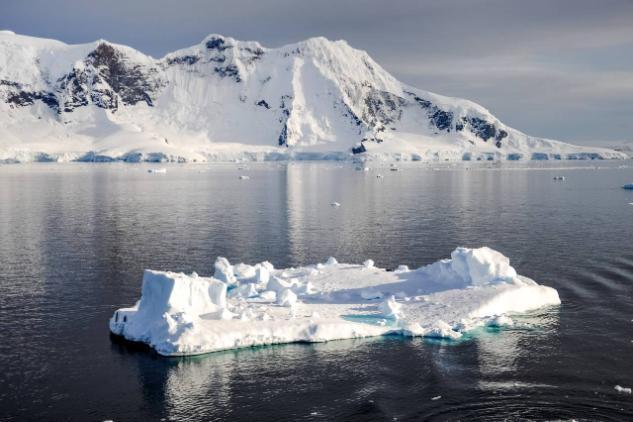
(76,238)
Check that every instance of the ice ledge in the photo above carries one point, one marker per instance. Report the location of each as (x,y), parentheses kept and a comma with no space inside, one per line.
(253,305)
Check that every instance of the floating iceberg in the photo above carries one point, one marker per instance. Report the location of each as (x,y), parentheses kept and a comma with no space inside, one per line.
(244,305)
(160,170)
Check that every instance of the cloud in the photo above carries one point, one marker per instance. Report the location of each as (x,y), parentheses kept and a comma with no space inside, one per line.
(557,68)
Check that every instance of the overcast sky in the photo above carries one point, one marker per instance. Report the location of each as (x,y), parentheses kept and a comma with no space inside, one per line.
(553,68)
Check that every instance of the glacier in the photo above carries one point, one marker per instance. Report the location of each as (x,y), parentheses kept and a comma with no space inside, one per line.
(253,305)
(227,100)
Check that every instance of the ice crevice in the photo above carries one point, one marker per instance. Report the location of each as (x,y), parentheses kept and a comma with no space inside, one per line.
(251,305)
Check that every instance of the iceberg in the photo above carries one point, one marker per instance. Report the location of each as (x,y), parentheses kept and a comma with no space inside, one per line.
(253,305)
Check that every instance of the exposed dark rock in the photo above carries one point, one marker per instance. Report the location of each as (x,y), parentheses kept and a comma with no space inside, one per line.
(73,87)
(106,79)
(217,43)
(442,119)
(421,101)
(188,60)
(481,128)
(382,108)
(26,98)
(501,134)
(230,71)
(349,113)
(359,149)
(129,82)
(217,59)
(256,53)
(283,136)
(10,83)
(368,65)
(294,52)
(263,103)
(284,107)
(372,139)
(499,137)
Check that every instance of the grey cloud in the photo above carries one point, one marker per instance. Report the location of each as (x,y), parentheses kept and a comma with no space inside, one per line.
(555,68)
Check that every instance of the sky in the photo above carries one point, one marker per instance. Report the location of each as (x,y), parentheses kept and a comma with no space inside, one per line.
(561,69)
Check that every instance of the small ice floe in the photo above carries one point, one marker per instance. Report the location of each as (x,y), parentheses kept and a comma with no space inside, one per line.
(244,177)
(160,170)
(625,390)
(379,176)
(628,186)
(183,314)
(559,178)
(393,169)
(436,398)
(335,204)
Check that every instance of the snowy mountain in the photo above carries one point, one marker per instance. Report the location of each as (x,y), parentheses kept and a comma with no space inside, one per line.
(225,99)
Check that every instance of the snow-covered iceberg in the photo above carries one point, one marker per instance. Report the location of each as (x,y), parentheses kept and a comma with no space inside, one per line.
(244,305)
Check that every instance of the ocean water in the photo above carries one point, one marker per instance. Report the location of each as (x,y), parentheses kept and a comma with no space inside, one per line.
(74,240)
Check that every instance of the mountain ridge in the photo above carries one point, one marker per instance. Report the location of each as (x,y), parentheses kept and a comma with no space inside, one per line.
(224,99)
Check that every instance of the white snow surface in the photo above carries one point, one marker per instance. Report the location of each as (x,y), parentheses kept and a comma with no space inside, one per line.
(181,314)
(224,100)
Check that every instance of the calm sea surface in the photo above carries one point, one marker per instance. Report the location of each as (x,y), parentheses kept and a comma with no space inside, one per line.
(74,240)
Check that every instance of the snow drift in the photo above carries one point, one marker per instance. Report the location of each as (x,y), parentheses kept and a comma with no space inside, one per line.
(244,305)
(225,99)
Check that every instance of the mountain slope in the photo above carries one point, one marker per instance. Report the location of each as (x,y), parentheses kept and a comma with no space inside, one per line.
(224,99)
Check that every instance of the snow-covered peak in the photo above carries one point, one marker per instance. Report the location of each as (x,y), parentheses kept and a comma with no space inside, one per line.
(223,98)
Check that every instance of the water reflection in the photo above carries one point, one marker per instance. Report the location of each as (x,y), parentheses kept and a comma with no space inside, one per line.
(502,352)
(268,381)
(75,240)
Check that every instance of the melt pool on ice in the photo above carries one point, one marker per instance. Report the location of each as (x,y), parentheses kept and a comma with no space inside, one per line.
(249,305)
